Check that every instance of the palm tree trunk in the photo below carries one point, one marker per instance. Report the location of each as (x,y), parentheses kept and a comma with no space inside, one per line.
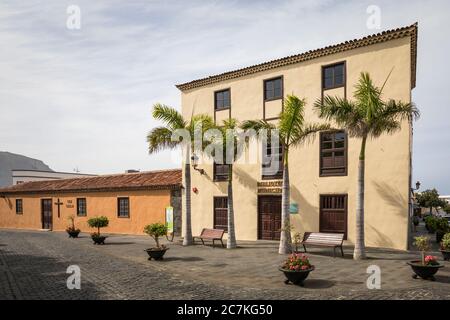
(360,250)
(231,240)
(285,237)
(187,239)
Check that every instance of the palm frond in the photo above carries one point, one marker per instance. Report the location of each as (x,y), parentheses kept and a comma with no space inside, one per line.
(160,138)
(291,119)
(343,112)
(203,121)
(170,116)
(368,97)
(257,125)
(391,115)
(308,132)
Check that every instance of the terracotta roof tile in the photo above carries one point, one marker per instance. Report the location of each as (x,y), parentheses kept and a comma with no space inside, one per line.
(410,31)
(163,179)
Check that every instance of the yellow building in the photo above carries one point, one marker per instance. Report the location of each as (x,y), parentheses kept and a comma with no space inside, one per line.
(130,201)
(323,173)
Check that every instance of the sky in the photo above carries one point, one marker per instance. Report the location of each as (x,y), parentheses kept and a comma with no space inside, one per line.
(81,98)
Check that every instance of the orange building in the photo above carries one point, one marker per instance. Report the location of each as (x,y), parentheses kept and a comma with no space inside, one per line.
(130,201)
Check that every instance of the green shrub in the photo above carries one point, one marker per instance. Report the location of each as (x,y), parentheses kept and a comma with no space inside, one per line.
(430,223)
(441,225)
(445,244)
(98,222)
(423,244)
(156,230)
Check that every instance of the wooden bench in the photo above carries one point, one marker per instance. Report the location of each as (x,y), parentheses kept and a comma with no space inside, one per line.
(211,234)
(319,239)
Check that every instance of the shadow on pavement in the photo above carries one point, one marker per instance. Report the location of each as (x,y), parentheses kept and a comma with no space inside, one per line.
(108,243)
(318,284)
(188,259)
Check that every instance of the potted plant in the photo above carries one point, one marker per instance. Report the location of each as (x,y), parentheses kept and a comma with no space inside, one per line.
(296,268)
(98,222)
(296,240)
(416,221)
(441,226)
(445,247)
(156,230)
(428,266)
(430,223)
(71,230)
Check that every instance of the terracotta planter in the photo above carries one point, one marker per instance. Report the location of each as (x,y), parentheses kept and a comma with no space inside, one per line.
(445,254)
(156,253)
(424,272)
(296,277)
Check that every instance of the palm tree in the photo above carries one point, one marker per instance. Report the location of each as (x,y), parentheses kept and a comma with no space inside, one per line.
(368,116)
(293,131)
(165,137)
(228,143)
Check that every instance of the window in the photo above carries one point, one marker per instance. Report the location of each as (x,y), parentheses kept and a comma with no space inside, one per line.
(333,154)
(221,172)
(221,213)
(333,76)
(273,89)
(222,99)
(123,206)
(81,207)
(19,206)
(272,167)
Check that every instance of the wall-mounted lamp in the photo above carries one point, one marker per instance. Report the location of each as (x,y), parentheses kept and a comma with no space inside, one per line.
(417,186)
(194,161)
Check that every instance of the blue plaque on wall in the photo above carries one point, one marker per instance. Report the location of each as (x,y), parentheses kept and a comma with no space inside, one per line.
(293,208)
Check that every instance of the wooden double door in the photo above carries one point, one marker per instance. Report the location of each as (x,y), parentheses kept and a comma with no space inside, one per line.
(269,217)
(47,214)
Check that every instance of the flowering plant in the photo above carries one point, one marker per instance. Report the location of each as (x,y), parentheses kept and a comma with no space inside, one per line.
(431,261)
(297,262)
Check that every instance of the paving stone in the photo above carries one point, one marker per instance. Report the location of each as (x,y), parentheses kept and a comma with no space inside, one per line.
(33,266)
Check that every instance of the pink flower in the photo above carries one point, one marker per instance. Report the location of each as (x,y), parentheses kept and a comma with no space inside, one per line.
(305,267)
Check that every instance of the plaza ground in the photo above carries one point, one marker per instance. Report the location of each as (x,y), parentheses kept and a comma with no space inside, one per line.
(33,266)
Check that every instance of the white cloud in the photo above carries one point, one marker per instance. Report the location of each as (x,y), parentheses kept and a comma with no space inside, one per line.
(83,98)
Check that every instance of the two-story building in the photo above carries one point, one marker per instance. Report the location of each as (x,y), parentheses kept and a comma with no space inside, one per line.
(323,173)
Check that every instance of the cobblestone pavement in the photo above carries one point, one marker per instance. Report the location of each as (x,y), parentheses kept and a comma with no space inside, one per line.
(33,266)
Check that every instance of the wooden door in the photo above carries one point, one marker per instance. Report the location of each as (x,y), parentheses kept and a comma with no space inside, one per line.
(333,214)
(47,214)
(269,217)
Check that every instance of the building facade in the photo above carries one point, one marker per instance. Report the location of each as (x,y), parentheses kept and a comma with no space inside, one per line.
(130,201)
(22,176)
(323,173)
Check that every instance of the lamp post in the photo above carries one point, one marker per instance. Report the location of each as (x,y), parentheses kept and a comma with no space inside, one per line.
(413,204)
(417,186)
(194,161)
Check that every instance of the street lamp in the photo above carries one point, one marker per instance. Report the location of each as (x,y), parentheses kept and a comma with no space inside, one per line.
(417,186)
(194,161)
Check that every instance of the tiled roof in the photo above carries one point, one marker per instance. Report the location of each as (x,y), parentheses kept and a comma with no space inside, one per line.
(151,180)
(410,31)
